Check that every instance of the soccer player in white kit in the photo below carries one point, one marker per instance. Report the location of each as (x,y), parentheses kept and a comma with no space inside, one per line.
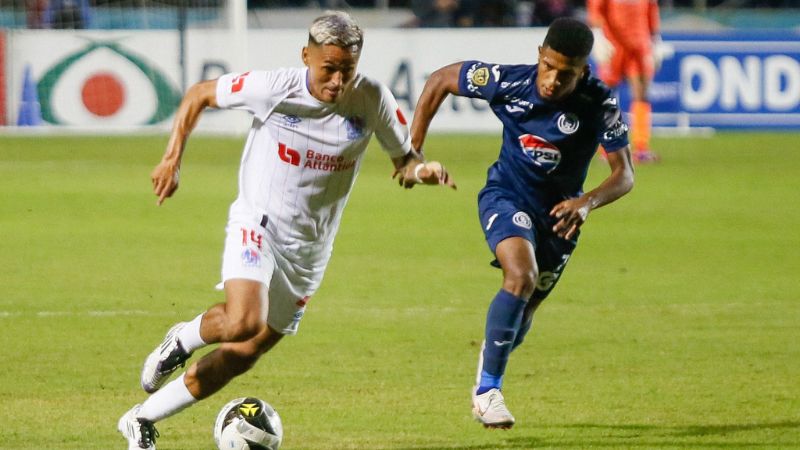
(310,130)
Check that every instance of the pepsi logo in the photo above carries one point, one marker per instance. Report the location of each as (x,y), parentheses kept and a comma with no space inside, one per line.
(541,152)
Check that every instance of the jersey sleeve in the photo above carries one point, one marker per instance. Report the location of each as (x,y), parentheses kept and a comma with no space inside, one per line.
(479,80)
(612,129)
(391,127)
(256,92)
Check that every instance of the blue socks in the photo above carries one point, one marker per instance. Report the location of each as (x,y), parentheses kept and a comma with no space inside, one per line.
(502,325)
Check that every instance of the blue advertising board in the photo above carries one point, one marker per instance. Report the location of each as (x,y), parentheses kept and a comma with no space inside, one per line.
(727,80)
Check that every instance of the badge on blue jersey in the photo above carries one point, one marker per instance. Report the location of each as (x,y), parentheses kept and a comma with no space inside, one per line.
(568,123)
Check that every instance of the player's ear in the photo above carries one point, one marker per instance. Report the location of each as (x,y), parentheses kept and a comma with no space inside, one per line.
(304,55)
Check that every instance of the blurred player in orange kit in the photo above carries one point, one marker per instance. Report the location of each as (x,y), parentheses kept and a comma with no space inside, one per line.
(628,48)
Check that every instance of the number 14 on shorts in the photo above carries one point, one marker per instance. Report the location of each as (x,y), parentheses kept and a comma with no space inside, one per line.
(251,236)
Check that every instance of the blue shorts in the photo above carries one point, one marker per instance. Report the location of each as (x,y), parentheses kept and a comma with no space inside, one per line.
(501,218)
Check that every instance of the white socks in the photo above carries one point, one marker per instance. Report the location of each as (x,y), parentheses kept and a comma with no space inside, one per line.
(189,335)
(169,400)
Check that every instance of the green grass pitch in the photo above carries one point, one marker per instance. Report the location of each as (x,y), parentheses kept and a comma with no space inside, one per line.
(675,325)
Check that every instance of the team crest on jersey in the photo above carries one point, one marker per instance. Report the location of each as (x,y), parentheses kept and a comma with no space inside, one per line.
(355,127)
(251,258)
(477,76)
(568,123)
(540,152)
(480,77)
(522,219)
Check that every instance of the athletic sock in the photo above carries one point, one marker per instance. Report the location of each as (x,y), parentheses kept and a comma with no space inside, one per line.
(502,322)
(189,335)
(641,112)
(169,400)
(523,331)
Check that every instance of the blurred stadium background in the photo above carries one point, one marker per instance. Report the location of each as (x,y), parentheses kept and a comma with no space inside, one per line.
(122,64)
(676,325)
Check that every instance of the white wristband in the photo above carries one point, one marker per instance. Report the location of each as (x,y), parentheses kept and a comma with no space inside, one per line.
(416,173)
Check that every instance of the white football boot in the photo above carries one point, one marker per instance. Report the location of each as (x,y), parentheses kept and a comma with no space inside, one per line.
(490,409)
(140,433)
(164,360)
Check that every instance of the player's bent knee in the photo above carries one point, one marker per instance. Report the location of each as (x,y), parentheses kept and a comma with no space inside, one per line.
(243,330)
(520,283)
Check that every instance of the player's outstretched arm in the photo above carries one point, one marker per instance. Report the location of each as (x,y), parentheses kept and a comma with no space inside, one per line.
(572,213)
(165,176)
(441,83)
(412,169)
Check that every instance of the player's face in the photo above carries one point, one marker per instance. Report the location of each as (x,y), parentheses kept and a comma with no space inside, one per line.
(558,74)
(330,70)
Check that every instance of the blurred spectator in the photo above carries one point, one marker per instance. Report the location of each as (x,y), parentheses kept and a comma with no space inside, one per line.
(34,13)
(440,13)
(627,47)
(546,11)
(64,14)
(492,13)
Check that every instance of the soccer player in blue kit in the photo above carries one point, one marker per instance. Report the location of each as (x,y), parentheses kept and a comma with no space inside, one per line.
(554,115)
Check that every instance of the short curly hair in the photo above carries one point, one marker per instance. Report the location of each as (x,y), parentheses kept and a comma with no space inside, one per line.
(570,37)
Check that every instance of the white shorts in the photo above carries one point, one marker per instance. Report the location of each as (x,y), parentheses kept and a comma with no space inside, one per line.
(250,254)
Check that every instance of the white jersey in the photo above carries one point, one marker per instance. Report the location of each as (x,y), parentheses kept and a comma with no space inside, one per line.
(302,155)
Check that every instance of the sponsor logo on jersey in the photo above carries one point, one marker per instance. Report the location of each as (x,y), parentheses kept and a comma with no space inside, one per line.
(251,258)
(327,162)
(291,120)
(519,101)
(288,155)
(355,127)
(238,82)
(540,152)
(496,72)
(522,219)
(514,109)
(513,84)
(615,131)
(473,78)
(568,123)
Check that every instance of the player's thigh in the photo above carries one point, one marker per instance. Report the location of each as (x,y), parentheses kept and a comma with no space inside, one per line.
(639,66)
(502,218)
(246,301)
(247,267)
(517,258)
(289,291)
(613,72)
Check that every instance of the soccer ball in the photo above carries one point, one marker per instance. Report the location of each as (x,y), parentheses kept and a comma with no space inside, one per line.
(248,423)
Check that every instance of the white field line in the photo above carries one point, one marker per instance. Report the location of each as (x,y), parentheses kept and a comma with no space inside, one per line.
(110,313)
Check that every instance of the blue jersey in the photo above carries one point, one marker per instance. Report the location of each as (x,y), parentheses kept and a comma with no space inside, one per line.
(547,146)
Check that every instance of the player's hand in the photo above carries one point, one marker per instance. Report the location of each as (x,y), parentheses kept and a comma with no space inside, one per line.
(571,214)
(165,178)
(603,49)
(661,51)
(432,172)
